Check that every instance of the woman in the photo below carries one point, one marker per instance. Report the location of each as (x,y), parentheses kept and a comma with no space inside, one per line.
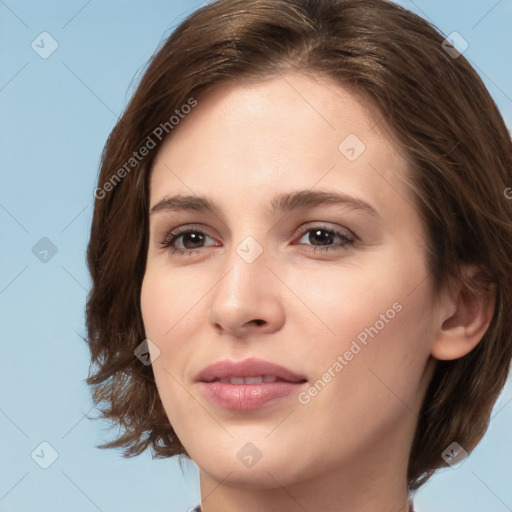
(300,256)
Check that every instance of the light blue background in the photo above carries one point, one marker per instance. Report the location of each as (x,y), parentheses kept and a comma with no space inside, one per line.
(56,114)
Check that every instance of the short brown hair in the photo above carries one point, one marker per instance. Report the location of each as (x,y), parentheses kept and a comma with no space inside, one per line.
(460,155)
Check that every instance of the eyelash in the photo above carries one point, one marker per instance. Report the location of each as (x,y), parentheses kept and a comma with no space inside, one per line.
(172,236)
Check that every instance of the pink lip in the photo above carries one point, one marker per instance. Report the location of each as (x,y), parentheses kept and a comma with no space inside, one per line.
(247,396)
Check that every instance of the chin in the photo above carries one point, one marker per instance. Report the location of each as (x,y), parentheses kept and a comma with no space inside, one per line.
(259,477)
(241,464)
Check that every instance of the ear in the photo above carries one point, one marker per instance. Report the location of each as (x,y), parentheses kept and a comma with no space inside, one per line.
(463,316)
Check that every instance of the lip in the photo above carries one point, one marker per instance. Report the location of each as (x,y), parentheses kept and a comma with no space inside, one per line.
(248,397)
(251,367)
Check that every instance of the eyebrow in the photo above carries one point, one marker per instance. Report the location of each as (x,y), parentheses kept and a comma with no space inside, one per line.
(282,203)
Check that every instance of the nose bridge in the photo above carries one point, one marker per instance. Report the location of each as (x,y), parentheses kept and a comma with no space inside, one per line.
(244,268)
(243,293)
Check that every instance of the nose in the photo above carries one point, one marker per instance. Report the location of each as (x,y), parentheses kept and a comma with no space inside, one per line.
(247,299)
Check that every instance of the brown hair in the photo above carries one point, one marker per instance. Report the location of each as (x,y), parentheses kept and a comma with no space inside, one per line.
(460,155)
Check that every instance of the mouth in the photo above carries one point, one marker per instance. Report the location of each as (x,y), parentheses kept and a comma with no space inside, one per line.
(249,384)
(235,381)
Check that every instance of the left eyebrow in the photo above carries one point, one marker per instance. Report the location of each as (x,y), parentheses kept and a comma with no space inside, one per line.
(311,198)
(282,203)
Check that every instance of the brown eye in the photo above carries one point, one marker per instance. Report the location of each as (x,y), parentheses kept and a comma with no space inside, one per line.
(188,239)
(323,238)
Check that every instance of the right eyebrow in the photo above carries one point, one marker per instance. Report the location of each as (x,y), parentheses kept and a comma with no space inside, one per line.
(180,202)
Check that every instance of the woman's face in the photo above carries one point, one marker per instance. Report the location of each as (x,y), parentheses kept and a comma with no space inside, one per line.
(337,292)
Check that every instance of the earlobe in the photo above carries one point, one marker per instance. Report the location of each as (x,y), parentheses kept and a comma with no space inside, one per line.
(464,317)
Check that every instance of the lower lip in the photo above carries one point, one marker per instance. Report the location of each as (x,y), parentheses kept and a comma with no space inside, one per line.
(248,397)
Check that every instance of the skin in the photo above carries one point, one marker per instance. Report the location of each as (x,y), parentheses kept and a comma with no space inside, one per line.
(347,448)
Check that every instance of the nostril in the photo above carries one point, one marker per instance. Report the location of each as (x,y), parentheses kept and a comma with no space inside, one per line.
(259,322)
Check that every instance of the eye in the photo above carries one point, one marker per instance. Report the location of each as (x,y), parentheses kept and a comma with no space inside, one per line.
(189,238)
(326,237)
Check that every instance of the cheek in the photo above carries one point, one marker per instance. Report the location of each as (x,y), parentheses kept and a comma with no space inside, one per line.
(168,303)
(160,315)
(382,323)
(155,301)
(172,314)
(377,317)
(340,301)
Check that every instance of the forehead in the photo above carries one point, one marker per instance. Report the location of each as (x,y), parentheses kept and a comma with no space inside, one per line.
(291,131)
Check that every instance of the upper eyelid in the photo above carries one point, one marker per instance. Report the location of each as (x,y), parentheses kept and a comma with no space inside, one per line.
(323,225)
(304,226)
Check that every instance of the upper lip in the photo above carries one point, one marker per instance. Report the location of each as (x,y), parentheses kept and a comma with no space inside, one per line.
(251,367)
